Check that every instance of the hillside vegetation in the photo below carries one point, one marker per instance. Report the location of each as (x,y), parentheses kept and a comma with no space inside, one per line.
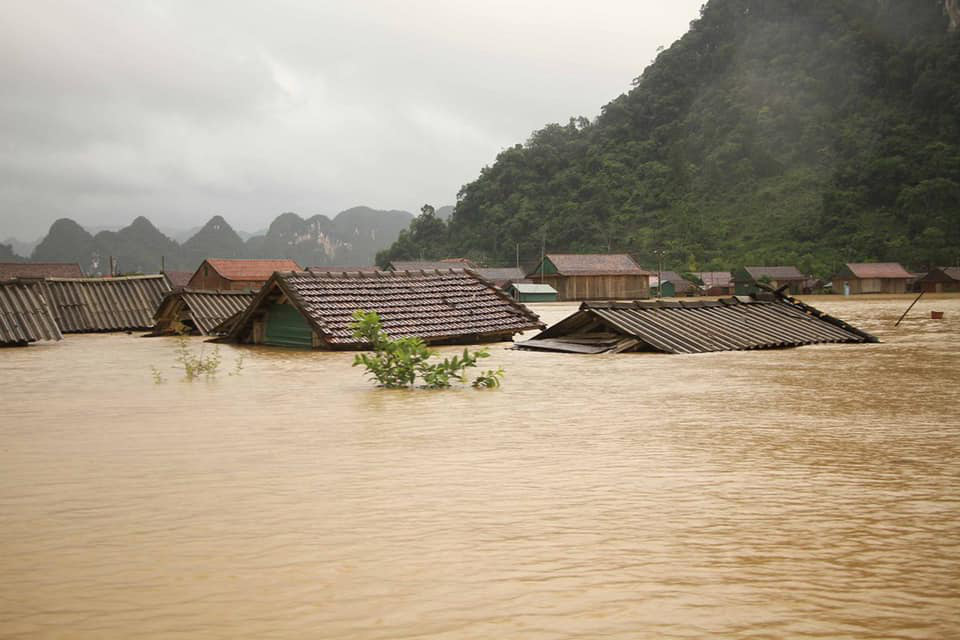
(806,132)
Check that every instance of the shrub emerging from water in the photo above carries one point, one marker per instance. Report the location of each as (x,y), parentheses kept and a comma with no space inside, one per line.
(396,363)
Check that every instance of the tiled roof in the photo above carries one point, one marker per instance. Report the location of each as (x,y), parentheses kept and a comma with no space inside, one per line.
(40,270)
(878,270)
(451,304)
(258,270)
(595,264)
(83,305)
(730,324)
(775,273)
(24,314)
(500,275)
(205,309)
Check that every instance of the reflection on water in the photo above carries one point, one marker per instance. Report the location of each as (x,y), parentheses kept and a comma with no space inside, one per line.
(800,493)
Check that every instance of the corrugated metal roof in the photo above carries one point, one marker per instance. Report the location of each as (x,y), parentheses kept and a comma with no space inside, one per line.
(594,264)
(205,310)
(442,305)
(529,287)
(83,305)
(878,270)
(728,324)
(24,314)
(10,270)
(249,269)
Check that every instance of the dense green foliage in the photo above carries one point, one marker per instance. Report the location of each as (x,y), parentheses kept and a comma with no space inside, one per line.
(806,132)
(351,238)
(396,363)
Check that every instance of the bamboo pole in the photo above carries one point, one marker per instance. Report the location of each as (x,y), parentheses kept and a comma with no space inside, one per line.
(908,308)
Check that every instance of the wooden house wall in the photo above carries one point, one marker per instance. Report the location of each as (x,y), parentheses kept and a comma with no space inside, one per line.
(871,285)
(612,287)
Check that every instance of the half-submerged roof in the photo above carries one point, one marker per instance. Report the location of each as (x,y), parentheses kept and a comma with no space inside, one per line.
(452,305)
(10,270)
(105,304)
(25,315)
(594,264)
(942,274)
(729,324)
(254,270)
(779,274)
(204,310)
(877,270)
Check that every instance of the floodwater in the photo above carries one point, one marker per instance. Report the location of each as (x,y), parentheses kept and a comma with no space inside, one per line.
(804,493)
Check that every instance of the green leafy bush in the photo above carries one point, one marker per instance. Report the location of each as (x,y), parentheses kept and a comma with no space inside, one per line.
(396,363)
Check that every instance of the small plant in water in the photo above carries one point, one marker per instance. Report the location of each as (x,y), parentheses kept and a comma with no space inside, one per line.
(397,362)
(197,364)
(157,375)
(238,365)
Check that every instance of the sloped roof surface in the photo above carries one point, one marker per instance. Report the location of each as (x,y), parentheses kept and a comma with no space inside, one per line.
(426,265)
(952,272)
(259,270)
(500,275)
(775,273)
(679,282)
(878,270)
(699,327)
(595,264)
(438,305)
(715,278)
(24,314)
(40,270)
(530,287)
(105,304)
(207,309)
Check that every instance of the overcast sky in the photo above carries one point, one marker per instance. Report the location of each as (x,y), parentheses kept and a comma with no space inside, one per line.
(179,110)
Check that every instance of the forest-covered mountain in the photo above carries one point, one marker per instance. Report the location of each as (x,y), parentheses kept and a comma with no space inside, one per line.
(774,132)
(351,238)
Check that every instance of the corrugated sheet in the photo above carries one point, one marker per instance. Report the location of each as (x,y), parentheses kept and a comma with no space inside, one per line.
(204,309)
(452,304)
(83,305)
(699,327)
(24,314)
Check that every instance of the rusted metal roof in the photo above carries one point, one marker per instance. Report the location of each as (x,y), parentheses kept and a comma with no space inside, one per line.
(728,324)
(10,270)
(255,270)
(877,270)
(85,305)
(594,264)
(201,310)
(437,306)
(780,274)
(25,315)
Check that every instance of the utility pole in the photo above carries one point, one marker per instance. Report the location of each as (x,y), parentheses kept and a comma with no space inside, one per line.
(543,254)
(518,255)
(659,254)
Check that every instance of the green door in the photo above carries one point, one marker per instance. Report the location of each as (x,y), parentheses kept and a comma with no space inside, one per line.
(287,328)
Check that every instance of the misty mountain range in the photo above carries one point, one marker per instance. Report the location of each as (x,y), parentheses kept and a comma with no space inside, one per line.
(351,238)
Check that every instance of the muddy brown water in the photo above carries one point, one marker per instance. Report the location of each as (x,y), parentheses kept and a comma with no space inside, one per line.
(801,493)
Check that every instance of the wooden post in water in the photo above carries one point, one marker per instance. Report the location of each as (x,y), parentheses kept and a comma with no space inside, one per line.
(908,308)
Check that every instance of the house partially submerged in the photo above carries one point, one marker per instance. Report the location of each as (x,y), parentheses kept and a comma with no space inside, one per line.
(871,277)
(501,277)
(715,283)
(192,312)
(315,309)
(672,285)
(765,322)
(85,305)
(218,274)
(532,292)
(746,279)
(25,316)
(593,276)
(940,280)
(9,270)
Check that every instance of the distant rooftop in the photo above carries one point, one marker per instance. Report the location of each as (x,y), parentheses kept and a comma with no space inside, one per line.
(250,269)
(10,270)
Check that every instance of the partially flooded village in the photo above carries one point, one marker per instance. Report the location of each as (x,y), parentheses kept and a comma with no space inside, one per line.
(688,369)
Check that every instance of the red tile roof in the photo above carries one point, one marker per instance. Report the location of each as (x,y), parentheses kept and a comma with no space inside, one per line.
(595,264)
(250,269)
(878,270)
(40,270)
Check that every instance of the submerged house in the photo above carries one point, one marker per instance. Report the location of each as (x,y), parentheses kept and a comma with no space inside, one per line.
(532,292)
(765,322)
(594,276)
(192,312)
(940,280)
(672,285)
(745,279)
(872,277)
(218,274)
(85,305)
(315,309)
(715,283)
(25,316)
(9,270)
